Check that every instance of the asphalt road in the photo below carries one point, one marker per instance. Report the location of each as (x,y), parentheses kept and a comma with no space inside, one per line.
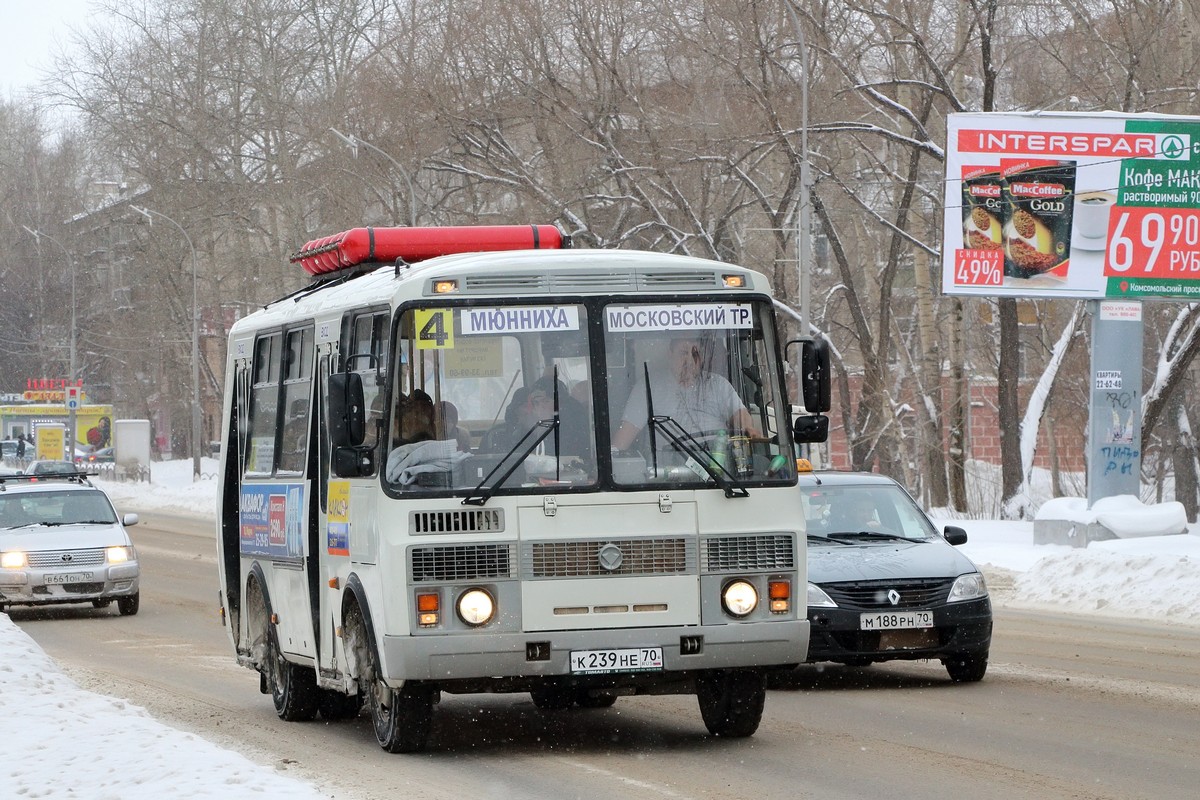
(1072,707)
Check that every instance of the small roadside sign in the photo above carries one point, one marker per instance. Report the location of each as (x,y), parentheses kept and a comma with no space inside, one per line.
(72,398)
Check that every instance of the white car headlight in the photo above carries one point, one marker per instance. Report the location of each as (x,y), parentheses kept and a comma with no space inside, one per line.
(476,607)
(13,559)
(739,598)
(119,555)
(818,599)
(968,587)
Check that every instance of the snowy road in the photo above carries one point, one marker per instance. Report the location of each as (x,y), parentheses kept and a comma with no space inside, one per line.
(1072,707)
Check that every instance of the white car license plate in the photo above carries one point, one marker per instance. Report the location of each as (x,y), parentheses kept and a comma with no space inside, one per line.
(894,620)
(629,659)
(68,577)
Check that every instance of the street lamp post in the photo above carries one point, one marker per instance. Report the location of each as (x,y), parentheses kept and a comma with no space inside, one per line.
(352,141)
(803,220)
(150,214)
(37,235)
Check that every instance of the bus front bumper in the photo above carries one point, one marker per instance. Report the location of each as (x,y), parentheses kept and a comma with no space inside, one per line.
(748,645)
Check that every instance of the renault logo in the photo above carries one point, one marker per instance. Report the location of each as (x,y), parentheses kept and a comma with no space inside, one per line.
(610,557)
(67,558)
(893,597)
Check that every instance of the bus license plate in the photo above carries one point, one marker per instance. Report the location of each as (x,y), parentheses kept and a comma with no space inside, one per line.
(894,620)
(630,659)
(68,577)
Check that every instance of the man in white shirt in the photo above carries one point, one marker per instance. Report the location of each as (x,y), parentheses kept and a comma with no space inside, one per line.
(700,401)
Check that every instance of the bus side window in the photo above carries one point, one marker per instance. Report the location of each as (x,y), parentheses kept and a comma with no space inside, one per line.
(264,405)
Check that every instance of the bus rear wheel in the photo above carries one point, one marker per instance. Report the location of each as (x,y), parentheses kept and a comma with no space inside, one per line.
(293,688)
(731,701)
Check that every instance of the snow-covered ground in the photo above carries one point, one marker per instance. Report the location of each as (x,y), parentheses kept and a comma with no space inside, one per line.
(72,743)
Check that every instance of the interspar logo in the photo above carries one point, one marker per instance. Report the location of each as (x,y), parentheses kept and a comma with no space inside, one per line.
(1162,146)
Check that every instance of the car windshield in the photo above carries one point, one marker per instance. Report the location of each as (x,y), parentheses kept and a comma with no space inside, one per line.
(52,468)
(55,508)
(866,511)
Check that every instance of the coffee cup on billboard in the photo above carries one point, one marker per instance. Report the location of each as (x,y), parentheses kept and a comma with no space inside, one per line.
(1091,213)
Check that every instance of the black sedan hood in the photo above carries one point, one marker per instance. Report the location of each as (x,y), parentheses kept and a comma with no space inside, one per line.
(836,562)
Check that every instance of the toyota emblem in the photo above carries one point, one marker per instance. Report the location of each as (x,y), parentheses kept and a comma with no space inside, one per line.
(893,597)
(67,558)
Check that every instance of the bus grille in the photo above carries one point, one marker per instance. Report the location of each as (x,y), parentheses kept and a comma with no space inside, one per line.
(66,558)
(517,283)
(914,593)
(482,520)
(756,553)
(651,280)
(625,557)
(577,282)
(468,562)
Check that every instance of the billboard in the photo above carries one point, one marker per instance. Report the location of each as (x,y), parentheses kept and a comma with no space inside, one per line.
(1086,206)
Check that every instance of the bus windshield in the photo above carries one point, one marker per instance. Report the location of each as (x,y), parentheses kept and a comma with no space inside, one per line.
(511,398)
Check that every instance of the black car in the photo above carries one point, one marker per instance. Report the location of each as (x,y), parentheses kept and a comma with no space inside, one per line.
(884,584)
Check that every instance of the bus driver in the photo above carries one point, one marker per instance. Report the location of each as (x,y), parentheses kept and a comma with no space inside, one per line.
(699,400)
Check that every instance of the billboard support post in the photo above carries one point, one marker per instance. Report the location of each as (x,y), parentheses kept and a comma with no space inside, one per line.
(1114,463)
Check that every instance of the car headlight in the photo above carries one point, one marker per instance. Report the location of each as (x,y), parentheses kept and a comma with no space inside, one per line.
(13,559)
(119,555)
(968,587)
(476,607)
(818,599)
(739,598)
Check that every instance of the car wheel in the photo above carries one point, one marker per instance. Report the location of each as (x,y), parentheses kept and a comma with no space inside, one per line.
(127,606)
(966,667)
(731,701)
(100,603)
(401,717)
(293,688)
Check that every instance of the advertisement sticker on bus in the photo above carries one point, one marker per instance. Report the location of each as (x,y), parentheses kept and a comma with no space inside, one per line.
(691,317)
(337,537)
(271,520)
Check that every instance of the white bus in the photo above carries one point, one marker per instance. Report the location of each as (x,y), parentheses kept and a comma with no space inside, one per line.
(476,460)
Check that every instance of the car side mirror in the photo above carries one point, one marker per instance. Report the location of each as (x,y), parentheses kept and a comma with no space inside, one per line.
(129,519)
(955,535)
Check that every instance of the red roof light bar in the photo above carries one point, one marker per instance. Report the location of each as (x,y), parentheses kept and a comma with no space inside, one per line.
(364,245)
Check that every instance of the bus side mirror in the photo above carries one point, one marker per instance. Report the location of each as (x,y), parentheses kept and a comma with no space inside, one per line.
(815,385)
(353,462)
(347,415)
(811,428)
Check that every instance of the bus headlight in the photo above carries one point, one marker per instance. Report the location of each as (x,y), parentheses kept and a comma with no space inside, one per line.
(739,598)
(476,607)
(13,559)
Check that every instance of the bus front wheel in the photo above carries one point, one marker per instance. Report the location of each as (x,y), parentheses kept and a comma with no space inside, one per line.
(731,701)
(401,717)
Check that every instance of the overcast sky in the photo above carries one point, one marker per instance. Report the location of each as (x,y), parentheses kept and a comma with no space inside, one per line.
(32,30)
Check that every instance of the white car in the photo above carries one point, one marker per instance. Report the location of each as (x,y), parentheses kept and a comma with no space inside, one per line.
(62,542)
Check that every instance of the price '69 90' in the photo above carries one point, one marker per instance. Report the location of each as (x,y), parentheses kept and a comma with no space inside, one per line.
(1163,243)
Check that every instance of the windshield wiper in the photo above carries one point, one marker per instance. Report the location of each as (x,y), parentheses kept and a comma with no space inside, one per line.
(873,535)
(695,451)
(524,446)
(687,443)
